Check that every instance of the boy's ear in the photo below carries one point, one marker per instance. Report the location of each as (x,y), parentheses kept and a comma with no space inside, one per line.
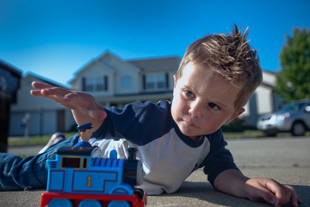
(237,113)
(174,80)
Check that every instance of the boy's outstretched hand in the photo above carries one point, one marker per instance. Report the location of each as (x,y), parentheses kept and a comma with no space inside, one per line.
(259,189)
(256,189)
(84,107)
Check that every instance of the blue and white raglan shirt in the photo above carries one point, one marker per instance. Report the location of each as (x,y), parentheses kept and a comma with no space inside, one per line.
(168,156)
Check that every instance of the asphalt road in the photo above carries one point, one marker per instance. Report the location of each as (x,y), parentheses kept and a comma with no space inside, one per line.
(286,160)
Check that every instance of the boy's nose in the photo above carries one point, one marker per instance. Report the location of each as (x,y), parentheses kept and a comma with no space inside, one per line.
(194,109)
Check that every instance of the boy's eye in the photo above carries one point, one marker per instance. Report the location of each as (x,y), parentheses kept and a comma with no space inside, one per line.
(188,93)
(214,106)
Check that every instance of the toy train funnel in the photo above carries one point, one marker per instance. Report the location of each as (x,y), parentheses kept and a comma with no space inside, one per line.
(132,153)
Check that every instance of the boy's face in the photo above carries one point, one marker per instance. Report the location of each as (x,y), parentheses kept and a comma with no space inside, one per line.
(202,101)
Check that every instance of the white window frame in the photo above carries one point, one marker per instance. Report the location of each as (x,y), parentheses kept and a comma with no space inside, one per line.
(126,81)
(94,84)
(155,81)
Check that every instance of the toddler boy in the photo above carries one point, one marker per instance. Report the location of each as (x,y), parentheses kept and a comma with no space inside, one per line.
(216,78)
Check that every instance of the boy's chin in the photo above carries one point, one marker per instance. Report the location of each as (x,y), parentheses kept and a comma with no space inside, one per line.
(195,136)
(192,136)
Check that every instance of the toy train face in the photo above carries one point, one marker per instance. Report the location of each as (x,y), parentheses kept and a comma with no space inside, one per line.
(82,171)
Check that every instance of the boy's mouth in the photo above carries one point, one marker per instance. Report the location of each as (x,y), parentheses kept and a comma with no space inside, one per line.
(189,123)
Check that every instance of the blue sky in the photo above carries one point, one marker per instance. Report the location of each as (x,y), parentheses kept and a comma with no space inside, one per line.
(54,39)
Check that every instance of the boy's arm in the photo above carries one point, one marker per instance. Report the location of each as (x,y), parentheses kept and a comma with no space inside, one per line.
(257,189)
(84,107)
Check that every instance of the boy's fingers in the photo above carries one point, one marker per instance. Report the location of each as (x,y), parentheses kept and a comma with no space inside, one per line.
(47,90)
(268,196)
(294,198)
(35,93)
(260,193)
(38,85)
(284,194)
(280,195)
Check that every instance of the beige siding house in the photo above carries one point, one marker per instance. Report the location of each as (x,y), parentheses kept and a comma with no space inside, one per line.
(116,82)
(263,101)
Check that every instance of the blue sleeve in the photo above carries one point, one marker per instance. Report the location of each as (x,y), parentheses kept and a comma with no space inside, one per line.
(139,123)
(219,159)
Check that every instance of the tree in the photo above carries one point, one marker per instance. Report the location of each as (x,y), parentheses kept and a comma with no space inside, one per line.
(293,81)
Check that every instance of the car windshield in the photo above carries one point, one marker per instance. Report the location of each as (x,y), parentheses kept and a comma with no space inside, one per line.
(292,107)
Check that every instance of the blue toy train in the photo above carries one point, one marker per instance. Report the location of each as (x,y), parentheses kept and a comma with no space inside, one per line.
(79,177)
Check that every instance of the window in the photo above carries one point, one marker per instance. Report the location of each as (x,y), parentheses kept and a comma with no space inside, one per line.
(89,84)
(72,162)
(125,82)
(150,82)
(99,84)
(155,81)
(84,163)
(92,84)
(161,81)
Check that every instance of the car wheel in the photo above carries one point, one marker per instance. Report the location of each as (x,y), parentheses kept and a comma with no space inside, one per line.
(298,129)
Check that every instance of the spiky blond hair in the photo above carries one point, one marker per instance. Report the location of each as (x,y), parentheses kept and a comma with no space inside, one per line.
(231,57)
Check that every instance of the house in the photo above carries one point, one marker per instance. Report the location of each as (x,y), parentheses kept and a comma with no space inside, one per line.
(263,101)
(41,115)
(9,84)
(116,82)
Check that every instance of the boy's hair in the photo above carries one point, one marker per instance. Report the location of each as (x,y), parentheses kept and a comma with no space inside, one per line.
(231,57)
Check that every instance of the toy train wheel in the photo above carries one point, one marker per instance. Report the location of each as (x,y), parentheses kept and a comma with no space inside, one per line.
(139,192)
(118,204)
(60,203)
(90,203)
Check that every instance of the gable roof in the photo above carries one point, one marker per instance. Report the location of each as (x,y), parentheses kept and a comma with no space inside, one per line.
(115,57)
(107,66)
(43,79)
(11,69)
(155,64)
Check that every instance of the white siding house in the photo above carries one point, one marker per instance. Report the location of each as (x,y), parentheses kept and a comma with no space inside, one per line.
(263,101)
(45,115)
(116,82)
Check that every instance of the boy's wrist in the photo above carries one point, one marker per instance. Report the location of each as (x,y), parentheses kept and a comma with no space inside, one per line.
(232,182)
(242,191)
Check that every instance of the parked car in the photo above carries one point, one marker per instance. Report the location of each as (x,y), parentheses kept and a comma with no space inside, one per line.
(293,117)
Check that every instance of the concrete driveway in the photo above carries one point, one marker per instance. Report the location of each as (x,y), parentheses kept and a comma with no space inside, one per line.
(286,160)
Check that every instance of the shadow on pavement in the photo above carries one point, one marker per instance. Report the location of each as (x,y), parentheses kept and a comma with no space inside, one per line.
(204,191)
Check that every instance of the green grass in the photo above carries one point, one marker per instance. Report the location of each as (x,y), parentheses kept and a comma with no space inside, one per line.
(35,140)
(255,134)
(42,140)
(245,134)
